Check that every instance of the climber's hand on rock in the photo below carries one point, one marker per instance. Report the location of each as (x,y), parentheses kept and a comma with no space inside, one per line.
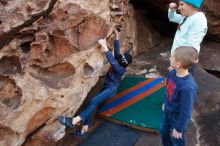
(102,42)
(116,34)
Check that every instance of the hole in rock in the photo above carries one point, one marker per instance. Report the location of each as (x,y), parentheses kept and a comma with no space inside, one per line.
(26,47)
(10,65)
(56,76)
(88,70)
(10,93)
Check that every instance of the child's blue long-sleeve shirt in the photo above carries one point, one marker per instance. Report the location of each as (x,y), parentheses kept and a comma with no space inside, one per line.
(116,48)
(179,99)
(191,32)
(115,72)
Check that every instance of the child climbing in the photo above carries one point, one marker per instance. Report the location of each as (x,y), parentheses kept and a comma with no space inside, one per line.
(118,63)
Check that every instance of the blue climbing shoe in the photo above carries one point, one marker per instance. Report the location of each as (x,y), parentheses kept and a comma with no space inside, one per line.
(66,121)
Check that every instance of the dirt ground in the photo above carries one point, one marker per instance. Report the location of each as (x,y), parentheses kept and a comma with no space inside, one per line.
(145,138)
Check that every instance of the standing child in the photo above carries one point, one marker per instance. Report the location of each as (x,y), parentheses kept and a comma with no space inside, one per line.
(112,79)
(181,91)
(192,24)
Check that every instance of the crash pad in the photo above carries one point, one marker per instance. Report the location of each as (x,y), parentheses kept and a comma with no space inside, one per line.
(137,103)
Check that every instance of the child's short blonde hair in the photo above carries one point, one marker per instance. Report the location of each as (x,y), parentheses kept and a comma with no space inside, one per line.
(187,56)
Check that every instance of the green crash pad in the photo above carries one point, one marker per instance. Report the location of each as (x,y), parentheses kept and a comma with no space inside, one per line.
(137,103)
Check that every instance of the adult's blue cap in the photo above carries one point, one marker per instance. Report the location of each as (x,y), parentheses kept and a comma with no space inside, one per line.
(195,3)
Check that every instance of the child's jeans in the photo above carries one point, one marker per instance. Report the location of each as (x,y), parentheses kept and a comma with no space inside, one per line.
(106,93)
(167,125)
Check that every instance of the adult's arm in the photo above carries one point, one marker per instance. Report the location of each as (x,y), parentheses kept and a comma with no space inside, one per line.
(174,17)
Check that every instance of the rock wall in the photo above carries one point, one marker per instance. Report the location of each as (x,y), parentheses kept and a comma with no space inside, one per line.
(211,9)
(50,59)
(47,70)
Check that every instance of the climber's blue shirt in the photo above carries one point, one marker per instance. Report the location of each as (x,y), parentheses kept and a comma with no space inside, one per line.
(191,32)
(115,72)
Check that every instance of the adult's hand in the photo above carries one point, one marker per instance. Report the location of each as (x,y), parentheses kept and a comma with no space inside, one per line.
(173,6)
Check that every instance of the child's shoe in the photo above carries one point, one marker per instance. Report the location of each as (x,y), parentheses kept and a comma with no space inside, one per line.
(66,121)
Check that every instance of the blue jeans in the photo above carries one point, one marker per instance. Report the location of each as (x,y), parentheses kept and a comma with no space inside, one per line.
(106,93)
(167,125)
